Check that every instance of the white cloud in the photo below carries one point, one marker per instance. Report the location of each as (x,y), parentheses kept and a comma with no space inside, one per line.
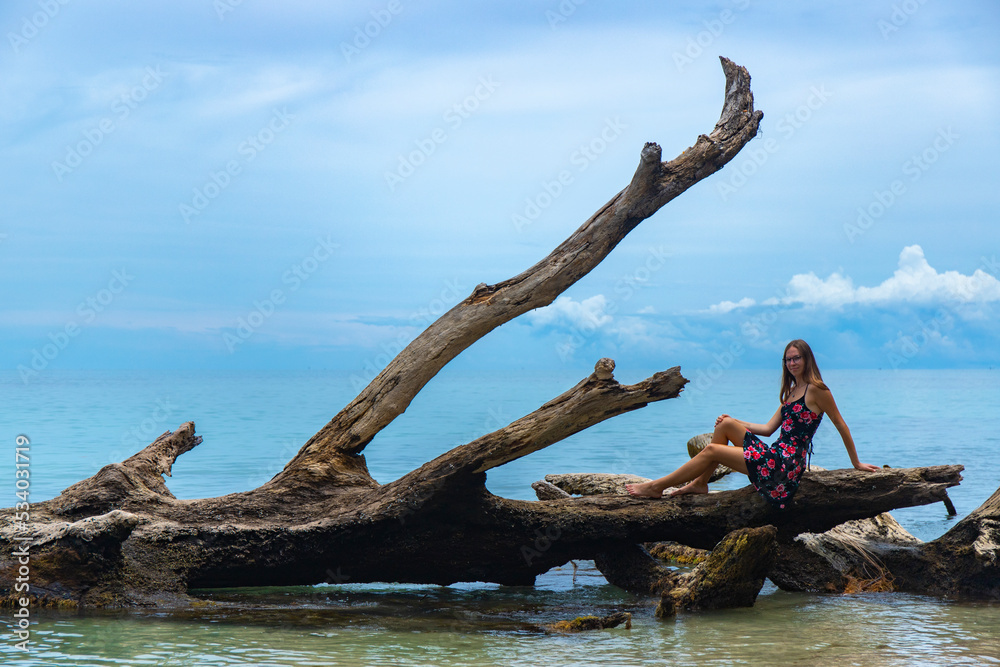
(566,312)
(914,281)
(726,306)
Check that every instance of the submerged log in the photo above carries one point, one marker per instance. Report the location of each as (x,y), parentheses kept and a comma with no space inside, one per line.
(731,576)
(583,623)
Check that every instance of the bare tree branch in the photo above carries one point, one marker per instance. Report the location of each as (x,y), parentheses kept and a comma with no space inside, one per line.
(654,184)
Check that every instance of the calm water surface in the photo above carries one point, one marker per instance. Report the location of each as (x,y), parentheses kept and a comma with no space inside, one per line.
(254,422)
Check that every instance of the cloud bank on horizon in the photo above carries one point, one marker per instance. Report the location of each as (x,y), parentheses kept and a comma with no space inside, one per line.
(309,185)
(914,282)
(915,310)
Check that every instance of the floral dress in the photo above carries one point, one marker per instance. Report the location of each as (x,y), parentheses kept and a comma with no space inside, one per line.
(775,469)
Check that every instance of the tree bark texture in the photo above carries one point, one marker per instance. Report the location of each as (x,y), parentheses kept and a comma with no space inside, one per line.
(731,576)
(878,555)
(121,538)
(701,521)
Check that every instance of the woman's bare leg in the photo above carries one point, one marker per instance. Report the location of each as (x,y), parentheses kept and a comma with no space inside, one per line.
(699,469)
(726,431)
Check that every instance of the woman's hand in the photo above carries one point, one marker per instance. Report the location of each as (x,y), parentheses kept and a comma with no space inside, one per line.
(867,466)
(719,420)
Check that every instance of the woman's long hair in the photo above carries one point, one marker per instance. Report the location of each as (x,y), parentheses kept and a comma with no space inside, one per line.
(810,371)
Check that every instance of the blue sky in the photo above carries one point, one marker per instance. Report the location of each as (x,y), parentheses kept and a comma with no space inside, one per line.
(306,185)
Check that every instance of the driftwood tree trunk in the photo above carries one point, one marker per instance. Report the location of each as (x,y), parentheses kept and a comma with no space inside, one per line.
(962,563)
(120,537)
(833,561)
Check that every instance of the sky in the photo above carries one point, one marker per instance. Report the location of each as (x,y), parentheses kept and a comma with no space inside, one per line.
(237,184)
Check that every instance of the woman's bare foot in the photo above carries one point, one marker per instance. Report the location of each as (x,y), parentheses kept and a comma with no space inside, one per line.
(643,490)
(690,487)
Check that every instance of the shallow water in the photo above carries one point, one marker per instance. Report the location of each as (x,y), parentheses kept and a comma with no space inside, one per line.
(490,625)
(80,421)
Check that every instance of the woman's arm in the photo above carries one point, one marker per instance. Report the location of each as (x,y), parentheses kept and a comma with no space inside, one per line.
(757,429)
(824,401)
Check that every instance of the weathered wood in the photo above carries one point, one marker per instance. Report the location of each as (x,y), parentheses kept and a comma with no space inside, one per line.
(584,623)
(152,542)
(137,480)
(731,576)
(593,484)
(827,560)
(964,562)
(121,537)
(547,491)
(591,401)
(843,559)
(676,552)
(324,458)
(420,538)
(631,568)
(826,498)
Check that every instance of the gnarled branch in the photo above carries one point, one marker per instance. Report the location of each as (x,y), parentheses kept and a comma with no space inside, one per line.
(654,184)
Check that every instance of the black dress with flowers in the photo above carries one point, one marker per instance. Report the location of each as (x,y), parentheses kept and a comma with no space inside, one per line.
(775,469)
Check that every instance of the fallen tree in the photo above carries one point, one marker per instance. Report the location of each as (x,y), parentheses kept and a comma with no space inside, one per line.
(121,538)
(872,554)
(834,559)
(878,554)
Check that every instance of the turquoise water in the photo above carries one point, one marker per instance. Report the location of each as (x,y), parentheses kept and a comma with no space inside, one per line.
(253,422)
(492,626)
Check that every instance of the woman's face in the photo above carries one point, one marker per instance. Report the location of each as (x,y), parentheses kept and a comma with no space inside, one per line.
(793,360)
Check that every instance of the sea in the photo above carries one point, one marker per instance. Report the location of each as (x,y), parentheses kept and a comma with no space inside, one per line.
(75,422)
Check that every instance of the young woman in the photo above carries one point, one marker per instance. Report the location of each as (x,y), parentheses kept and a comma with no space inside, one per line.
(775,469)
